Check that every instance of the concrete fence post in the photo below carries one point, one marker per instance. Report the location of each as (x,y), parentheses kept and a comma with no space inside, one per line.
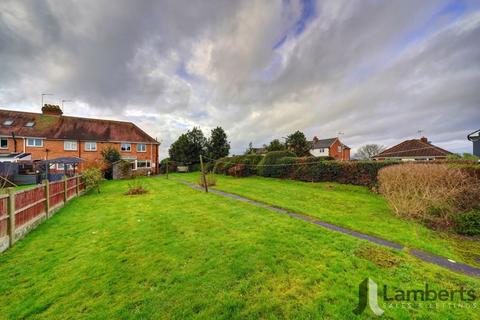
(46,186)
(65,189)
(11,216)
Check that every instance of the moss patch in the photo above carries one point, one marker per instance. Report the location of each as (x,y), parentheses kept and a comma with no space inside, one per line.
(381,258)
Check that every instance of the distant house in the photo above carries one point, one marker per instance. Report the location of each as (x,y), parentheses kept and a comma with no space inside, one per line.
(412,150)
(475,138)
(331,147)
(259,151)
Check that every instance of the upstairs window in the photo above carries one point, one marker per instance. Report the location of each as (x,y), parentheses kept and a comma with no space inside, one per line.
(70,145)
(3,143)
(7,122)
(141,147)
(30,124)
(126,147)
(90,146)
(339,148)
(34,142)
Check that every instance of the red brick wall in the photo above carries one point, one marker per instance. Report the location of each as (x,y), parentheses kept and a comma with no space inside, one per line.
(55,148)
(335,153)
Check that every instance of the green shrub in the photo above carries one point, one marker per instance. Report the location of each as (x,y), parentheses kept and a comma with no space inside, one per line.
(136,187)
(250,161)
(269,165)
(92,177)
(468,223)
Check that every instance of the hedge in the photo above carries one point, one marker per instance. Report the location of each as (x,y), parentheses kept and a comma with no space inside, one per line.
(284,164)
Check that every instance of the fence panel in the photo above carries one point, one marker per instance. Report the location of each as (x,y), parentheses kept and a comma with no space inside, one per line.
(71,187)
(29,204)
(3,215)
(56,193)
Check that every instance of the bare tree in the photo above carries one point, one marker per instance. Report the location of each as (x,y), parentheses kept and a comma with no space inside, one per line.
(368,151)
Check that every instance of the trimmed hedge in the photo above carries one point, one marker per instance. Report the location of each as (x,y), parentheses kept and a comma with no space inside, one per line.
(284,164)
(272,164)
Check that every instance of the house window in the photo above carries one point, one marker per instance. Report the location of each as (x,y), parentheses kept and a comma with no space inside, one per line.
(70,145)
(141,147)
(143,164)
(339,148)
(3,143)
(127,147)
(321,150)
(30,124)
(7,122)
(34,142)
(90,146)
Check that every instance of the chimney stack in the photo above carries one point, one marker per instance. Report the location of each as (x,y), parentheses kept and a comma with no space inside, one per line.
(51,110)
(315,139)
(424,139)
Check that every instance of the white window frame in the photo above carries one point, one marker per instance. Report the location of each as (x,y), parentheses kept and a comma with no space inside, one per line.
(1,140)
(30,124)
(125,149)
(148,164)
(70,145)
(34,144)
(90,143)
(8,122)
(144,147)
(339,149)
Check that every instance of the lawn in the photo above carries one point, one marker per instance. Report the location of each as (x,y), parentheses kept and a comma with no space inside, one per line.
(349,206)
(177,253)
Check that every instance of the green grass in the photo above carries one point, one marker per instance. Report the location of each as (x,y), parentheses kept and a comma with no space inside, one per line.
(349,206)
(177,253)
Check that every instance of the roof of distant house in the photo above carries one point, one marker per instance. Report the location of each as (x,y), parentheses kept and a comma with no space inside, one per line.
(413,148)
(57,126)
(324,143)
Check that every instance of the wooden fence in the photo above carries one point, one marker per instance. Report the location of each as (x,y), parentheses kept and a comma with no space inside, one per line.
(22,211)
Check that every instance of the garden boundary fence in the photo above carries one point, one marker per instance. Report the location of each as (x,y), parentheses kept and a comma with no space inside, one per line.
(21,211)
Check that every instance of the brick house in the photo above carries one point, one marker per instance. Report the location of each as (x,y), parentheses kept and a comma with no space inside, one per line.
(50,135)
(331,147)
(413,150)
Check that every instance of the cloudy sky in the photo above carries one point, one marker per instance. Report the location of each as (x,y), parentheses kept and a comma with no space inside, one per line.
(376,70)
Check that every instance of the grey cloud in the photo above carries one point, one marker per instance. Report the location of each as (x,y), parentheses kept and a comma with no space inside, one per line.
(374,70)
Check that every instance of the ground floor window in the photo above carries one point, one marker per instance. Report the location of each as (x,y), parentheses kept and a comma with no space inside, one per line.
(141,164)
(3,143)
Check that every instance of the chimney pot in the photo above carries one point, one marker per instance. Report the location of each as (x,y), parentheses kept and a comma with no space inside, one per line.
(52,110)
(424,139)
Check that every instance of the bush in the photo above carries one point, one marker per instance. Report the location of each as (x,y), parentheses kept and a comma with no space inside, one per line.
(92,177)
(468,223)
(431,193)
(210,178)
(136,187)
(270,163)
(250,161)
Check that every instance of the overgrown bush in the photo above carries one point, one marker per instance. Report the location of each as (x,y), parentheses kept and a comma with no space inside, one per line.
(270,163)
(431,193)
(468,223)
(210,178)
(250,161)
(92,177)
(136,187)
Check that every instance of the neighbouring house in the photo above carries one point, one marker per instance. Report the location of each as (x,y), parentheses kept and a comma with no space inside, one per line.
(331,147)
(259,151)
(475,138)
(413,150)
(50,134)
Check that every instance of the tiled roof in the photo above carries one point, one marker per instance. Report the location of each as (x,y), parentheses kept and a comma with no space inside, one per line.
(413,148)
(324,143)
(71,128)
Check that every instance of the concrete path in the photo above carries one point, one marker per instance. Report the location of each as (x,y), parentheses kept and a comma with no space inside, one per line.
(425,256)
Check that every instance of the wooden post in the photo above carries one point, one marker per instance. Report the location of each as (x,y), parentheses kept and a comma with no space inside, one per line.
(167,169)
(77,186)
(11,216)
(203,175)
(46,185)
(65,185)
